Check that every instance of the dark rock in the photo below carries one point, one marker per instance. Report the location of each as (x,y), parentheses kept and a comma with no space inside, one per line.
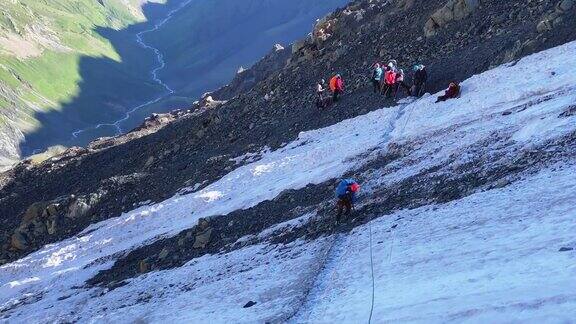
(19,242)
(544,26)
(249,304)
(569,112)
(78,208)
(502,183)
(565,249)
(164,254)
(143,266)
(202,238)
(452,10)
(565,5)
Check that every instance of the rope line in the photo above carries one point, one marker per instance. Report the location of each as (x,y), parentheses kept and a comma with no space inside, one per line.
(372,264)
(372,270)
(407,120)
(391,246)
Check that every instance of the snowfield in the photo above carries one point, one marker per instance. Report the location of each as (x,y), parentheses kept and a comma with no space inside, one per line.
(492,256)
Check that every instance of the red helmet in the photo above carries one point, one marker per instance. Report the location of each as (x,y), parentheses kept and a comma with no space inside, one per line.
(355,187)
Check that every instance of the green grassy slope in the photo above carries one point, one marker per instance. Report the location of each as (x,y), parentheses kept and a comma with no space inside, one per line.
(52,50)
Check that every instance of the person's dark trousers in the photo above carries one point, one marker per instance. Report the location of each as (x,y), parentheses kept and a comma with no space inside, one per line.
(344,205)
(376,84)
(442,98)
(389,90)
(336,95)
(404,86)
(419,89)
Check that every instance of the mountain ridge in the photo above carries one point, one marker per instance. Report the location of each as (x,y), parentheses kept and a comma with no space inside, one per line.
(248,174)
(178,155)
(455,202)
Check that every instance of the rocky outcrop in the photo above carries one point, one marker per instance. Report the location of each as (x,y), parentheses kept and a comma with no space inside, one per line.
(563,11)
(453,10)
(45,219)
(203,234)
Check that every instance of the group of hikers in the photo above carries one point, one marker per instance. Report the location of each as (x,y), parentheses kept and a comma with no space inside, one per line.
(386,80)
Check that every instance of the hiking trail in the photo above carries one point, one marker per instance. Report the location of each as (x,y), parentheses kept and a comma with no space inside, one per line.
(336,250)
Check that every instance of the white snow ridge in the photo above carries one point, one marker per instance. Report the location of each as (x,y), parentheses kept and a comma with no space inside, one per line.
(490,255)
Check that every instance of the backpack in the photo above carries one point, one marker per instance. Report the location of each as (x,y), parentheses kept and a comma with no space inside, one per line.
(377,74)
(390,77)
(333,84)
(342,187)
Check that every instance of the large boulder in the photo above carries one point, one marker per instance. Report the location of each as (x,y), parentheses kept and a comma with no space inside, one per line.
(453,10)
(33,212)
(46,218)
(203,234)
(78,208)
(19,242)
(557,17)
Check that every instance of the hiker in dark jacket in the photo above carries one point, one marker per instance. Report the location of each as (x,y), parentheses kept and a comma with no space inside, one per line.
(400,83)
(377,74)
(346,195)
(420,78)
(453,91)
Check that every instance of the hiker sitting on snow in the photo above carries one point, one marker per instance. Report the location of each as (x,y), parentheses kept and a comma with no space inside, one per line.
(346,195)
(453,91)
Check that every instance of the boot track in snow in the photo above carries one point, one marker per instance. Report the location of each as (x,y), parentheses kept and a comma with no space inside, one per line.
(336,249)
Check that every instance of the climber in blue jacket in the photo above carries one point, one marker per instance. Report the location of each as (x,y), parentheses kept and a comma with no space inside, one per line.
(346,195)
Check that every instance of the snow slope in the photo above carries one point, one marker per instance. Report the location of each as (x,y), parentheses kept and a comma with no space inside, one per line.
(491,256)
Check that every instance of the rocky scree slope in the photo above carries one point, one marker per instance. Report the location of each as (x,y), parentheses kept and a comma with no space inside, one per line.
(45,203)
(456,196)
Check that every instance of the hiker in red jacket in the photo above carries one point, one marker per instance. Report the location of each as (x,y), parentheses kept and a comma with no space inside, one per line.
(453,91)
(337,87)
(389,82)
